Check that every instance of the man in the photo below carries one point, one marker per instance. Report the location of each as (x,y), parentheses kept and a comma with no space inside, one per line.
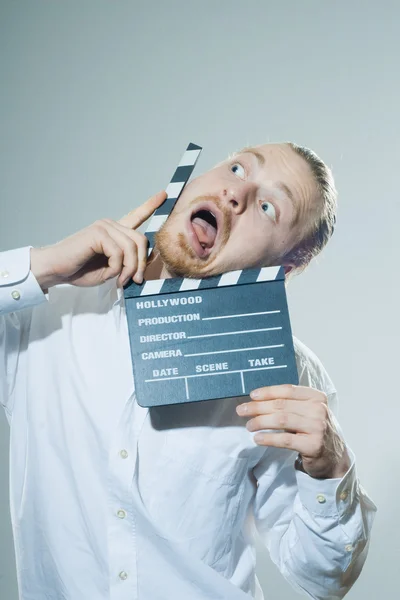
(110,500)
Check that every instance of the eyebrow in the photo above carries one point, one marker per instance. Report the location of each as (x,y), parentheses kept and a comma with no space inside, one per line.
(280,185)
(260,158)
(296,209)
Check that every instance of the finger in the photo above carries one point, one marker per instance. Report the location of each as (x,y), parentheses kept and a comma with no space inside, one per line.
(298,442)
(279,405)
(139,215)
(107,246)
(141,247)
(129,250)
(290,392)
(287,421)
(129,267)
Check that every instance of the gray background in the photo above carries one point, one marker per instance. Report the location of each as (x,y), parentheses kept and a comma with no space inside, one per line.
(98,100)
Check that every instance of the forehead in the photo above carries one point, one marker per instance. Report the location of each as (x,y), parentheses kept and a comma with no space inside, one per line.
(278,165)
(280,162)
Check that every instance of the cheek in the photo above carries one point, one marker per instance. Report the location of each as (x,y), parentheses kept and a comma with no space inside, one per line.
(194,188)
(256,241)
(247,249)
(185,199)
(252,247)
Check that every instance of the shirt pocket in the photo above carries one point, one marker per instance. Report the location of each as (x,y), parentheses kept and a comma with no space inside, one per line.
(195,499)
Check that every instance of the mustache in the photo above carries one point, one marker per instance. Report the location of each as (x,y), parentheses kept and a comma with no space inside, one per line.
(176,253)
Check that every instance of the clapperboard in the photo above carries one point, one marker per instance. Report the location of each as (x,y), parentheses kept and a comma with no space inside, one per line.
(204,339)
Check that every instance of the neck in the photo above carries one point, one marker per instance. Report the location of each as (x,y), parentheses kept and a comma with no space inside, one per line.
(165,274)
(156,269)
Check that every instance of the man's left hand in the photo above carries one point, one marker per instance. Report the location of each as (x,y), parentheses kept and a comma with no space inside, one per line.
(306,419)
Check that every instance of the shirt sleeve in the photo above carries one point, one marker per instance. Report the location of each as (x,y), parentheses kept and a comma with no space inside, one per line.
(317,531)
(19,290)
(18,286)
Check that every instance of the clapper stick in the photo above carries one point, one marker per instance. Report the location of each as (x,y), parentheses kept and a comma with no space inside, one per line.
(174,189)
(204,339)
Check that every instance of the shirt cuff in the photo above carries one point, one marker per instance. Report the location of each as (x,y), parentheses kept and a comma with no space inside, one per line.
(329,497)
(18,286)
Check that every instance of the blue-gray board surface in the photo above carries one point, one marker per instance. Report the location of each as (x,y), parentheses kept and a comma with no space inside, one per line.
(221,341)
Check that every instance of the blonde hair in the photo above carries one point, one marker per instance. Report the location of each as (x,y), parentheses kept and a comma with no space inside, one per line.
(322,228)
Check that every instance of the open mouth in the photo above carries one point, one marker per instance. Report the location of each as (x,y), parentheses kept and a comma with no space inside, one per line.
(204,226)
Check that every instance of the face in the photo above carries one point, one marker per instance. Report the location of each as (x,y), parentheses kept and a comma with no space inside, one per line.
(246,212)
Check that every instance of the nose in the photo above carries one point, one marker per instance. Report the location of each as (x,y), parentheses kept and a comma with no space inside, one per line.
(235,199)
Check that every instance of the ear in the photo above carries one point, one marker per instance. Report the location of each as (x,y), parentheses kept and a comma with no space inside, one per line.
(288,268)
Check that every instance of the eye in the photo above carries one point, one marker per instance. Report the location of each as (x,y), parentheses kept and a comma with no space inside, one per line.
(269,209)
(238,170)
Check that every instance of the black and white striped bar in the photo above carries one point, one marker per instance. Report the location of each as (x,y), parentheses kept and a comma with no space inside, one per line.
(204,339)
(240,277)
(174,189)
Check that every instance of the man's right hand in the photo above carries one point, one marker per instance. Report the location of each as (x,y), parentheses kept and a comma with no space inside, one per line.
(99,252)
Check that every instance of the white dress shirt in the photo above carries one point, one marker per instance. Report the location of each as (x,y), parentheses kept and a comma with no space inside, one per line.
(112,501)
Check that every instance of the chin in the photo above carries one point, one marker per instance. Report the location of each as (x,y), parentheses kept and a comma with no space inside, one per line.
(183,264)
(190,244)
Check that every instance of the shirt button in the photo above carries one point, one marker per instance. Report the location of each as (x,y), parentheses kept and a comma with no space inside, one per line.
(123,575)
(16,295)
(121,514)
(321,498)
(4,274)
(349,548)
(123,454)
(343,495)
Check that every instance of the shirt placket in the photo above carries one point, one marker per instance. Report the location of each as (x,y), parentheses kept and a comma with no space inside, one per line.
(122,529)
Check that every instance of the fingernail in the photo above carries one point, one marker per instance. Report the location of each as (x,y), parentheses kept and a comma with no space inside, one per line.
(255,394)
(242,409)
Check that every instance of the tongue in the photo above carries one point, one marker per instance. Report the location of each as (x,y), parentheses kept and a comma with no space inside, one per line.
(205,232)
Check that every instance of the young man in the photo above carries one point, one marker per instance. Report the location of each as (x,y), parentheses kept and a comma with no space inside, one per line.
(110,500)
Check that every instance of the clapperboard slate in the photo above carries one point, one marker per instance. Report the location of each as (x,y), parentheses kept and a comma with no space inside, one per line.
(204,339)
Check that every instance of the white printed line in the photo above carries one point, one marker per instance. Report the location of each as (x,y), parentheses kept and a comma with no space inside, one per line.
(267,312)
(267,274)
(230,278)
(235,350)
(211,374)
(189,284)
(156,222)
(189,158)
(187,389)
(191,337)
(241,377)
(174,189)
(152,286)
